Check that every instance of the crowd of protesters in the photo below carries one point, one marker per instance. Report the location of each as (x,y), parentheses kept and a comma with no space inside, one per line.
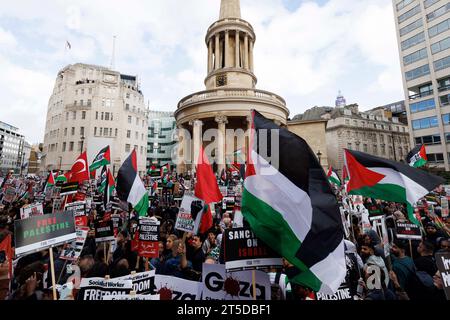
(408,272)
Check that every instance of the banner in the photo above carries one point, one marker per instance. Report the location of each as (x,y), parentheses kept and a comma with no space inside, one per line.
(69,188)
(173,288)
(408,231)
(73,251)
(148,238)
(104,231)
(220,285)
(94,289)
(42,232)
(31,211)
(186,217)
(117,223)
(343,293)
(243,251)
(443,264)
(134,297)
(143,282)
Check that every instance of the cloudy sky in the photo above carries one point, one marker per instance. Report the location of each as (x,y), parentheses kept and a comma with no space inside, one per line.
(306,50)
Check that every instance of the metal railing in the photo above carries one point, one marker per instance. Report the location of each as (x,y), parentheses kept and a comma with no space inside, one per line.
(421,95)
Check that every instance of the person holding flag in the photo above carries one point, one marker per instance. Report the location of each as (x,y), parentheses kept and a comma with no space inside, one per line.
(384,179)
(206,189)
(333,178)
(50,182)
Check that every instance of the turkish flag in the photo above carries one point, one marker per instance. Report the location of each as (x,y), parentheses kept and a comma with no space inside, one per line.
(80,169)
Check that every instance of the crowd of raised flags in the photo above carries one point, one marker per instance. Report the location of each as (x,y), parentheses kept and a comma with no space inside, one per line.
(313,219)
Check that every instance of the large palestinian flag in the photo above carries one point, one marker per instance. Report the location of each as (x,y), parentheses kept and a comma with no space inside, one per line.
(130,187)
(388,180)
(417,157)
(103,158)
(333,178)
(290,206)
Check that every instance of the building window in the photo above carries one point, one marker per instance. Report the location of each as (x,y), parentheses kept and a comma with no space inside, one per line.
(74,115)
(410,27)
(136,148)
(446,118)
(409,14)
(73,131)
(105,132)
(375,149)
(383,150)
(142,137)
(415,56)
(129,119)
(435,157)
(112,116)
(81,102)
(83,115)
(75,103)
(116,132)
(428,3)
(107,116)
(128,133)
(403,4)
(110,132)
(439,28)
(434,139)
(442,63)
(142,150)
(438,12)
(347,122)
(71,146)
(422,106)
(89,103)
(95,131)
(101,131)
(64,147)
(65,132)
(426,123)
(81,131)
(102,116)
(418,72)
(365,147)
(414,40)
(127,107)
(128,95)
(96,115)
(127,148)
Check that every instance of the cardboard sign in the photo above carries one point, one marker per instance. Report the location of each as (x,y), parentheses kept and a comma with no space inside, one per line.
(31,211)
(148,238)
(220,285)
(443,264)
(365,221)
(143,282)
(190,209)
(243,251)
(104,231)
(42,232)
(181,289)
(408,231)
(73,251)
(69,188)
(223,190)
(78,208)
(58,206)
(94,289)
(343,293)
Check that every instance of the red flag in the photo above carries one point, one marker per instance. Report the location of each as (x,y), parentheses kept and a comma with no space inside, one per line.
(206,189)
(80,171)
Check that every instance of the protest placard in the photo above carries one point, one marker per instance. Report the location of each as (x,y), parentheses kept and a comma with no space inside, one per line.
(41,232)
(69,188)
(143,282)
(443,264)
(444,207)
(104,231)
(408,231)
(79,209)
(10,194)
(93,289)
(244,251)
(180,289)
(220,285)
(343,293)
(31,211)
(72,252)
(148,238)
(58,205)
(365,221)
(190,208)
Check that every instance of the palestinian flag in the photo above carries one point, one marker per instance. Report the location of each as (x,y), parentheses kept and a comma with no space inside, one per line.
(63,177)
(290,206)
(154,172)
(50,181)
(388,180)
(109,187)
(103,158)
(165,169)
(130,187)
(103,181)
(333,178)
(417,157)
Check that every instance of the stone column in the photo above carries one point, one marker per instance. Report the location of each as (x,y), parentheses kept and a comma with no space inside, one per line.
(221,120)
(227,47)
(197,126)
(251,55)
(217,52)
(236,52)
(248,133)
(183,151)
(246,51)
(210,57)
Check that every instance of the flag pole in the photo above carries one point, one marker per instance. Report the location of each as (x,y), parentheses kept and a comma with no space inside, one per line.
(52,271)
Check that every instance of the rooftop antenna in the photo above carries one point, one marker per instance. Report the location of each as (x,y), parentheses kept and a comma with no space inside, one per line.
(113,56)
